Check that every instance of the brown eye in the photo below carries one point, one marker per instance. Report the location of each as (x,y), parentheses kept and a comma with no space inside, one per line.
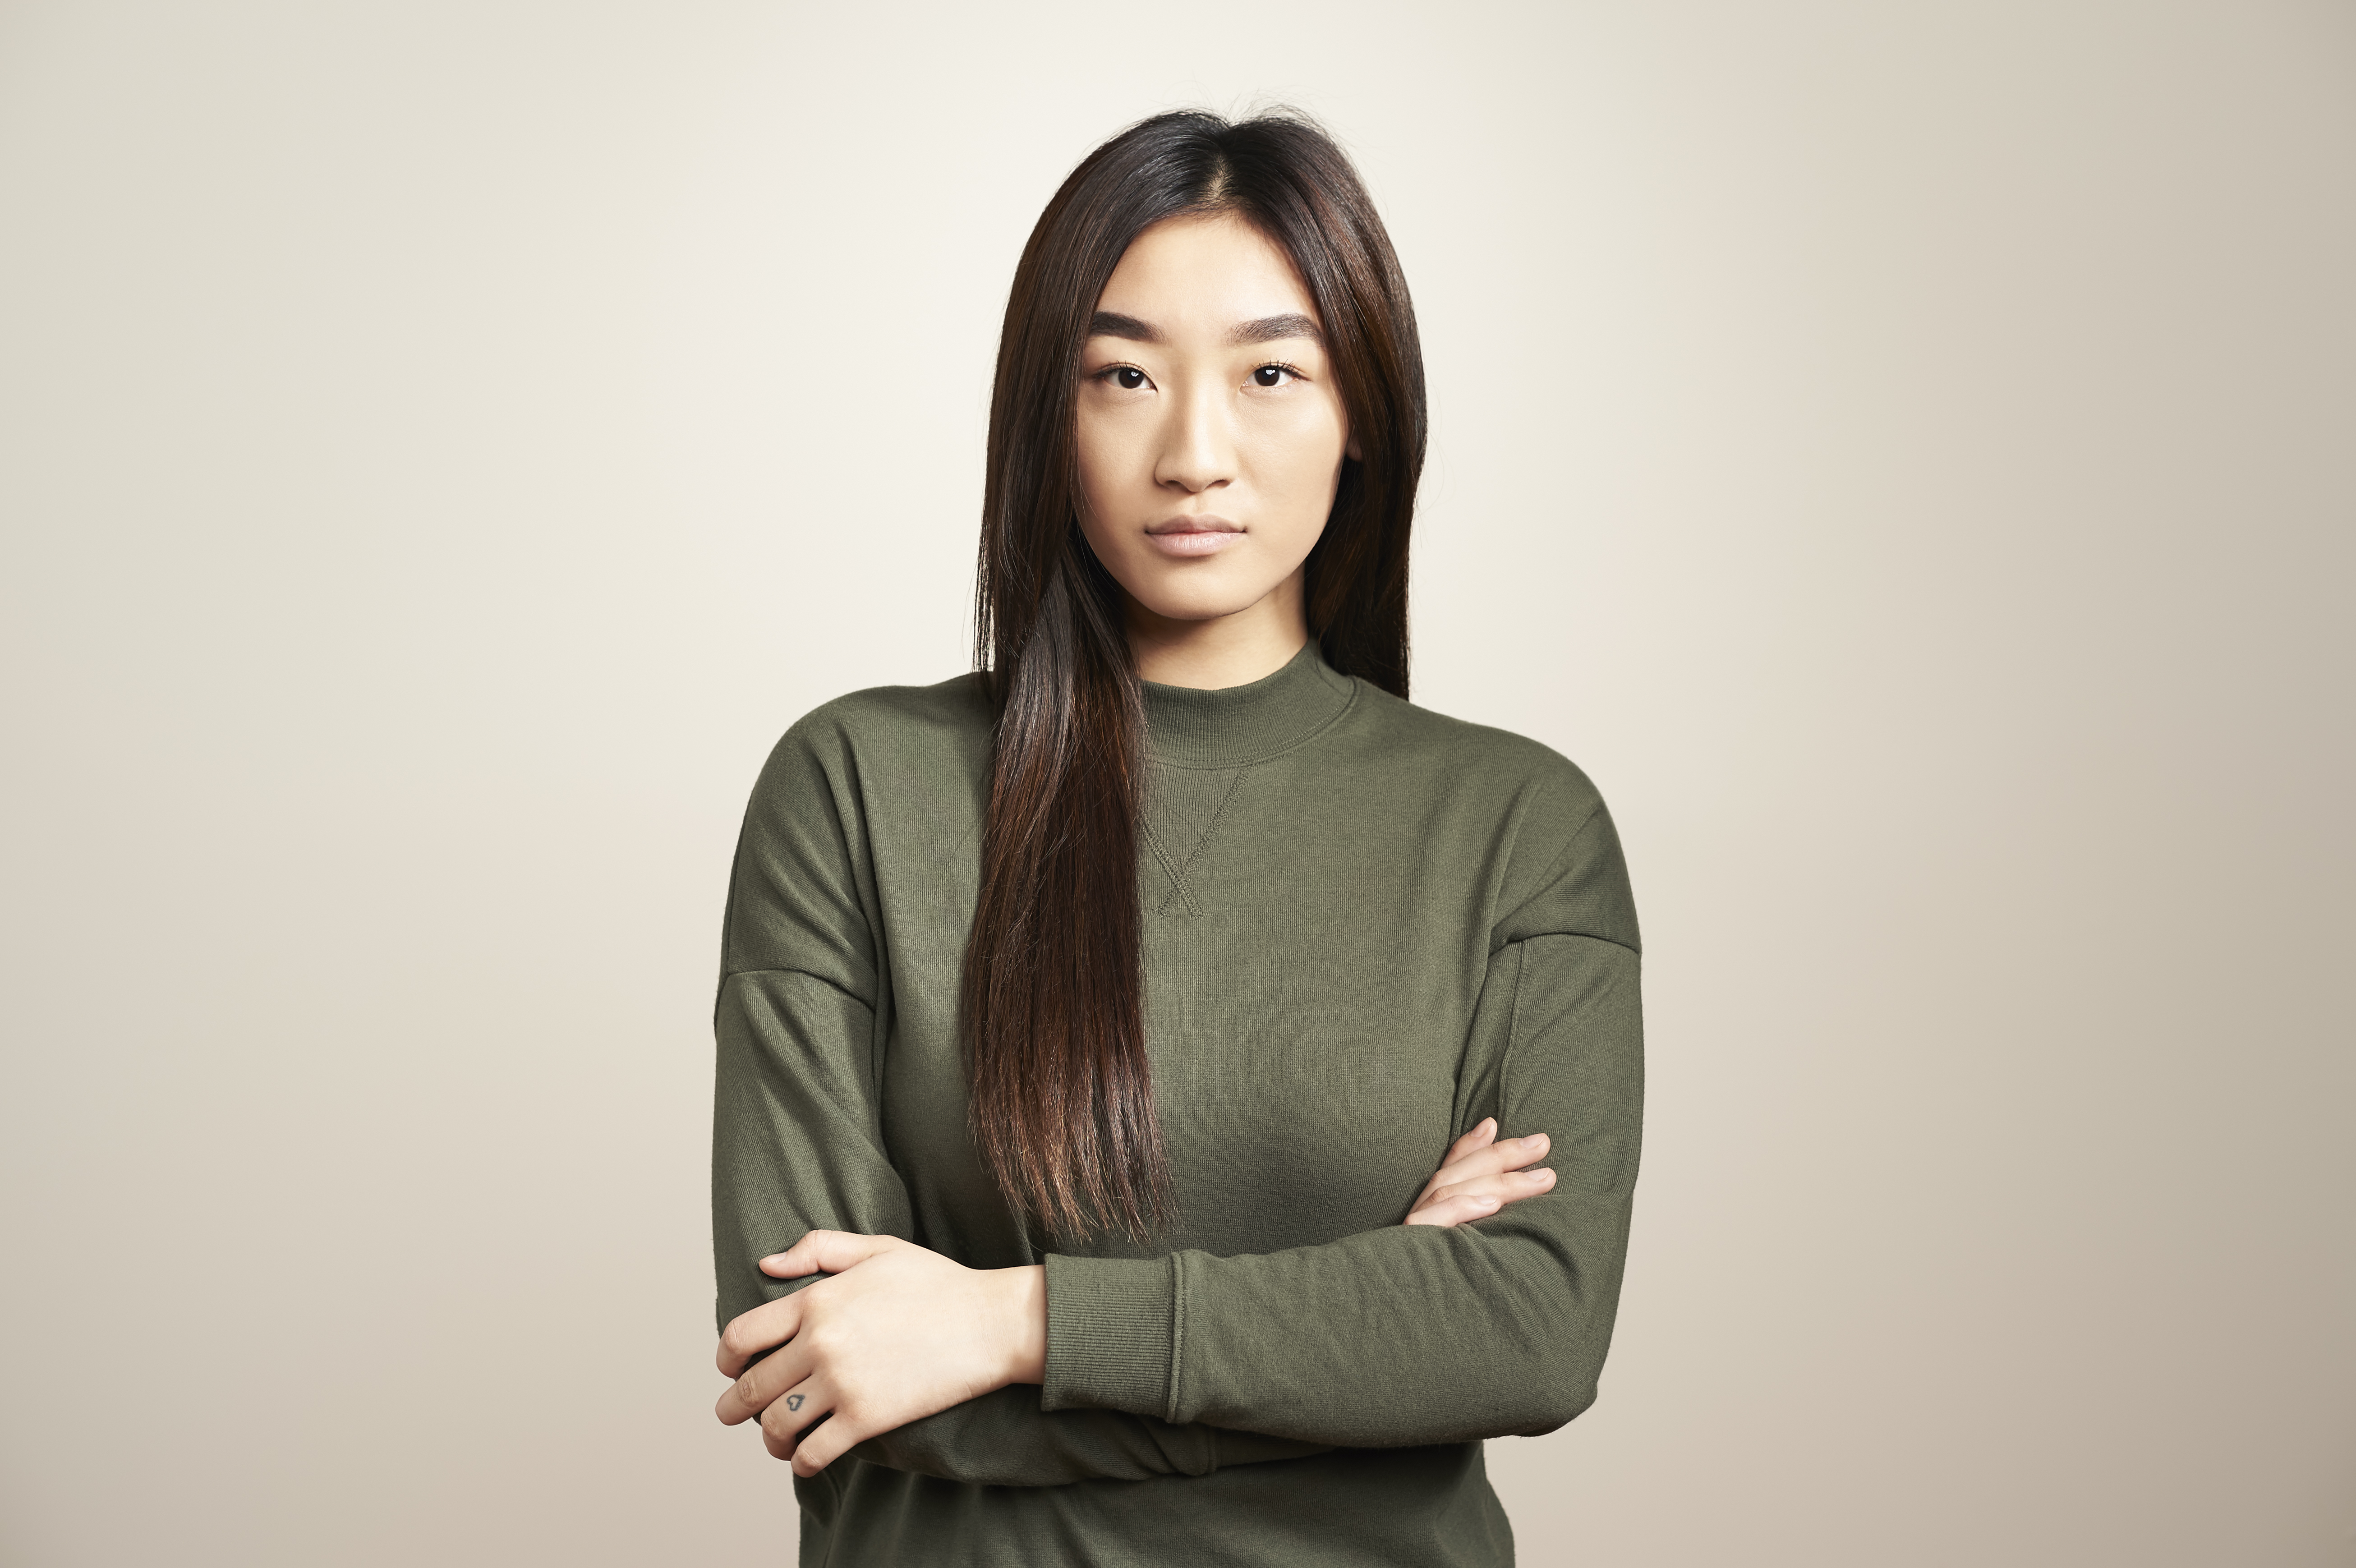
(1269,376)
(1129,378)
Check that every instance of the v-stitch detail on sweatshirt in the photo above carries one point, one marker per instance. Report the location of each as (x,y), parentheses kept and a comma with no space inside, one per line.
(1180,872)
(1169,869)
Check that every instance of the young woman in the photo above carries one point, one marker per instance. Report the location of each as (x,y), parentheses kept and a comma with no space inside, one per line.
(1094,1030)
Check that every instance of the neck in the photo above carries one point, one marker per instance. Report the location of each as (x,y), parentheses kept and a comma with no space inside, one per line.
(1236,649)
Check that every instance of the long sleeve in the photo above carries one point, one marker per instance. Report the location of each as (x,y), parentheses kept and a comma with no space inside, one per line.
(1410,1336)
(796,1133)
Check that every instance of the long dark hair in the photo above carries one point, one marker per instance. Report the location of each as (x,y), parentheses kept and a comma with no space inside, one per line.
(1052,998)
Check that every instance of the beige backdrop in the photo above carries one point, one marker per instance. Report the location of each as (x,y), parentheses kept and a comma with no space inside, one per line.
(1902,451)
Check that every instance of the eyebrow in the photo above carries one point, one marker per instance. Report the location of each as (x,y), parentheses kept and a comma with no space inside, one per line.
(1112,323)
(1267,329)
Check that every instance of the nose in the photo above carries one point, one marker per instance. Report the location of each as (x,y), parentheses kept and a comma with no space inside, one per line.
(1198,450)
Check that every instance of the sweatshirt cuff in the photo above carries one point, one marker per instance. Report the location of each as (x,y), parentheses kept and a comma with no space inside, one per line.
(1109,1334)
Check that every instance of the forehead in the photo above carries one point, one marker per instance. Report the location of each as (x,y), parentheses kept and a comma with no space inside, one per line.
(1204,274)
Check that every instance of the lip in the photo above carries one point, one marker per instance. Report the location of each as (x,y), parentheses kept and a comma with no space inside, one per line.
(1187,537)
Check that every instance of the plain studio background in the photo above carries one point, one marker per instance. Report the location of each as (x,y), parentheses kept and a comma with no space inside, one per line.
(1902,451)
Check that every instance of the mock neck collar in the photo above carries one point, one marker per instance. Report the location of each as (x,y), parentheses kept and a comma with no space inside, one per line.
(1193,728)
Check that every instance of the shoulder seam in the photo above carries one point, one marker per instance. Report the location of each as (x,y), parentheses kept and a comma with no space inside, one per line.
(728,975)
(1633,951)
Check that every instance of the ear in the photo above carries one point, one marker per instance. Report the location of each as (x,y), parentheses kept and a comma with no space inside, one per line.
(1350,450)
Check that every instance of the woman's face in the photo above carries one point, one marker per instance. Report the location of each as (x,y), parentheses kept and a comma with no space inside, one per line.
(1211,435)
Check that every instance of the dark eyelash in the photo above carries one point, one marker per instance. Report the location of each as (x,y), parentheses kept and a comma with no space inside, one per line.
(1108,371)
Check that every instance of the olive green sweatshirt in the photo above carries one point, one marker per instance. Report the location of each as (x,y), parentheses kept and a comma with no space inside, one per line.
(1366,927)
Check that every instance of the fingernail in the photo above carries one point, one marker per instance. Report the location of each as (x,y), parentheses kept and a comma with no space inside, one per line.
(1540,1176)
(1484,1203)
(1488,1124)
(1536,1140)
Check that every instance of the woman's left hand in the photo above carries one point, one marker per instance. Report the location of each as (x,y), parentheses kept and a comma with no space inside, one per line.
(897,1334)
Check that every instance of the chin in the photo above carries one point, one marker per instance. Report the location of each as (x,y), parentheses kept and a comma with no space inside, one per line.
(1201,605)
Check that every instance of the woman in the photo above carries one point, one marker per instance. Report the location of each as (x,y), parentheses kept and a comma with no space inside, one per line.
(1093,1022)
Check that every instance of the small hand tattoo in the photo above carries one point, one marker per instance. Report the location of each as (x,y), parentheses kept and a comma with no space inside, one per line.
(794,1401)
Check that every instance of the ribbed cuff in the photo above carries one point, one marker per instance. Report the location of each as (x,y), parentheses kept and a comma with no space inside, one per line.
(1109,1323)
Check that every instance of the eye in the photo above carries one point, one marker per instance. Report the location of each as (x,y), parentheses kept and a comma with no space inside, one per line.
(1128,377)
(1274,374)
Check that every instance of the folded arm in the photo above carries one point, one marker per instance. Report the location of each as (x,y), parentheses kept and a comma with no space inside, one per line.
(795,1149)
(1410,1335)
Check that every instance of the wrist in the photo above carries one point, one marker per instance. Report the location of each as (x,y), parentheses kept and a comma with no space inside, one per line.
(1023,1298)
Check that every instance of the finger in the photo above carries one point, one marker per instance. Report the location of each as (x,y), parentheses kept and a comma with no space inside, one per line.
(791,1416)
(765,1328)
(822,1447)
(826,1251)
(1477,1200)
(1482,1134)
(1509,1154)
(756,1389)
(1507,1187)
(1453,1212)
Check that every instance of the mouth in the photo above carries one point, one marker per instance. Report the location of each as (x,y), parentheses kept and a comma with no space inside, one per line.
(1193,536)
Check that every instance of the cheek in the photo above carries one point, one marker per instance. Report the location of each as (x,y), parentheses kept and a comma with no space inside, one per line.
(1299,458)
(1109,457)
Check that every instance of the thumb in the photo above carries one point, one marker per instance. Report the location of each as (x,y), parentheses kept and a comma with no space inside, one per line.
(824,1252)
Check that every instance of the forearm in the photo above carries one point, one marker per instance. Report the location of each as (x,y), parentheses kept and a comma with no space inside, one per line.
(992,1323)
(1417,1336)
(1409,1335)
(1004,1439)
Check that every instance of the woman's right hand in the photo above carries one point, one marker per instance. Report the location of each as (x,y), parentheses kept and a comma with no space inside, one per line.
(1481,1176)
